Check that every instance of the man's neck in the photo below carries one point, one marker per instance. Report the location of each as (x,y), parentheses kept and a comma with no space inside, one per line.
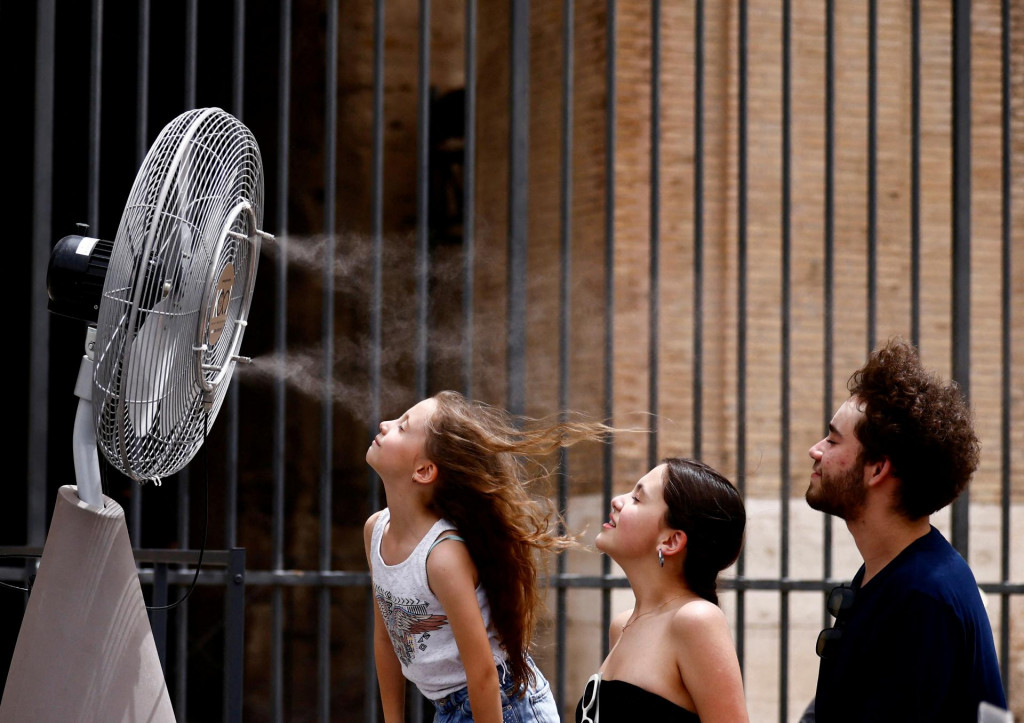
(880,537)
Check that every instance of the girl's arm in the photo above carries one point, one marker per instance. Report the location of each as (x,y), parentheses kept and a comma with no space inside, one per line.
(452,576)
(389,670)
(707,662)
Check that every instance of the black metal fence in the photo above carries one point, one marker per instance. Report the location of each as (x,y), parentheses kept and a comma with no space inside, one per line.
(106,78)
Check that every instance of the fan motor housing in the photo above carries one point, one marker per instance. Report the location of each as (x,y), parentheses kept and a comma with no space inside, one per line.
(74,277)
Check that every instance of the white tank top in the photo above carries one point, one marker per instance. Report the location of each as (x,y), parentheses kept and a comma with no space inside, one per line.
(416,622)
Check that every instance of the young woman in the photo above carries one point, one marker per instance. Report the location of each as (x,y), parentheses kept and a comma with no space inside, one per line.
(672,658)
(454,559)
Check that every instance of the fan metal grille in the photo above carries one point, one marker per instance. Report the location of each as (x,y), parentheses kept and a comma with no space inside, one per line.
(195,209)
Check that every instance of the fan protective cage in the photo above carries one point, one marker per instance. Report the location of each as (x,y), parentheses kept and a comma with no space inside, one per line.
(177,292)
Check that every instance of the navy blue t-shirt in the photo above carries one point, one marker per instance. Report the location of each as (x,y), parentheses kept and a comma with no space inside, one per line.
(915,646)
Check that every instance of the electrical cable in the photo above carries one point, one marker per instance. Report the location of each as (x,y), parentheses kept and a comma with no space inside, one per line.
(11,586)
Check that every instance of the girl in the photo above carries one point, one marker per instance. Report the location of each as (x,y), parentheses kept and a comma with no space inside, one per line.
(453,559)
(671,655)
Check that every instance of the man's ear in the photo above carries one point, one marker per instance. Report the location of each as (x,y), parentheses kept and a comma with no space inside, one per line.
(673,543)
(425,473)
(878,472)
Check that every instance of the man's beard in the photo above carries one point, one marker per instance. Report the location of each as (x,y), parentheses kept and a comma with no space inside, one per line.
(842,496)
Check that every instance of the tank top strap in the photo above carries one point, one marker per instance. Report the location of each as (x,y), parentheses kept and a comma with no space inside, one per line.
(439,540)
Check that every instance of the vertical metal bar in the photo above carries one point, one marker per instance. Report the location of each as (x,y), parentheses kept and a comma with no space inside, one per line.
(238,61)
(469,200)
(377,234)
(30,569)
(134,516)
(95,112)
(158,618)
(414,701)
(191,83)
(234,635)
(915,172)
(518,200)
(784,482)
(142,83)
(181,617)
(327,333)
(830,263)
(1006,426)
(39,318)
(422,202)
(655,231)
(284,63)
(961,311)
(698,225)
(741,304)
(95,117)
(184,504)
(181,673)
(608,460)
(376,323)
(565,320)
(181,658)
(233,421)
(872,174)
(191,52)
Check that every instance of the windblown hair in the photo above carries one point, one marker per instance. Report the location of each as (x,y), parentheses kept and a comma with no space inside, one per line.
(482,488)
(708,508)
(922,424)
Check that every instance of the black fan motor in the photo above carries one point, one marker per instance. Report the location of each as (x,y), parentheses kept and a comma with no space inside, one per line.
(74,278)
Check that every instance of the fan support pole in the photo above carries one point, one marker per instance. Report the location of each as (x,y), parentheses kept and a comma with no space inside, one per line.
(85,651)
(87,463)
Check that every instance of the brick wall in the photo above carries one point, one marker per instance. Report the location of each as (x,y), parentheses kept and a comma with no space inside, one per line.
(765,283)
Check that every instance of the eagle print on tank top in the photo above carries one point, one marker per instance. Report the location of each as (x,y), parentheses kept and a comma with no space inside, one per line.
(408,623)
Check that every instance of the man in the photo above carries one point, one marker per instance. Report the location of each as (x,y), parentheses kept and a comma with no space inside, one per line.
(912,640)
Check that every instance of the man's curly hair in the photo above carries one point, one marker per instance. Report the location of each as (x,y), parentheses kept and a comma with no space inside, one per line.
(921,423)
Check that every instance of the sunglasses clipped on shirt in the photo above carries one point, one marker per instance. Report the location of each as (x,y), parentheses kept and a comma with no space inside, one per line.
(591,714)
(840,600)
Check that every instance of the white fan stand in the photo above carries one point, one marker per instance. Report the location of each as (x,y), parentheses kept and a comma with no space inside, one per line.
(171,315)
(90,656)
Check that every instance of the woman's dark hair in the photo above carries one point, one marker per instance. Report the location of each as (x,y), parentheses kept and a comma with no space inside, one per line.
(921,423)
(708,508)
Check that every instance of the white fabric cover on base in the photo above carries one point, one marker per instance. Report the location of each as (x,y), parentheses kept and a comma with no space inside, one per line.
(86,651)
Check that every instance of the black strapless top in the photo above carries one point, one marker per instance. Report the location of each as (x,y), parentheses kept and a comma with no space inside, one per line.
(621,701)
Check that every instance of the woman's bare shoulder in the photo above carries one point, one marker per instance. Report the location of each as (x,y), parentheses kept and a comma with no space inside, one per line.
(698,616)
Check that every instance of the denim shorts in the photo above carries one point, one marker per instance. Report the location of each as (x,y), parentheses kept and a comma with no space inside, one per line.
(537,706)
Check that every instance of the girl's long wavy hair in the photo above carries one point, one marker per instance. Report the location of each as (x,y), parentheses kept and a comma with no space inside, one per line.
(482,487)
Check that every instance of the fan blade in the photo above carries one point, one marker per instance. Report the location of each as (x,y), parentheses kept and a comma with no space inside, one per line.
(148,367)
